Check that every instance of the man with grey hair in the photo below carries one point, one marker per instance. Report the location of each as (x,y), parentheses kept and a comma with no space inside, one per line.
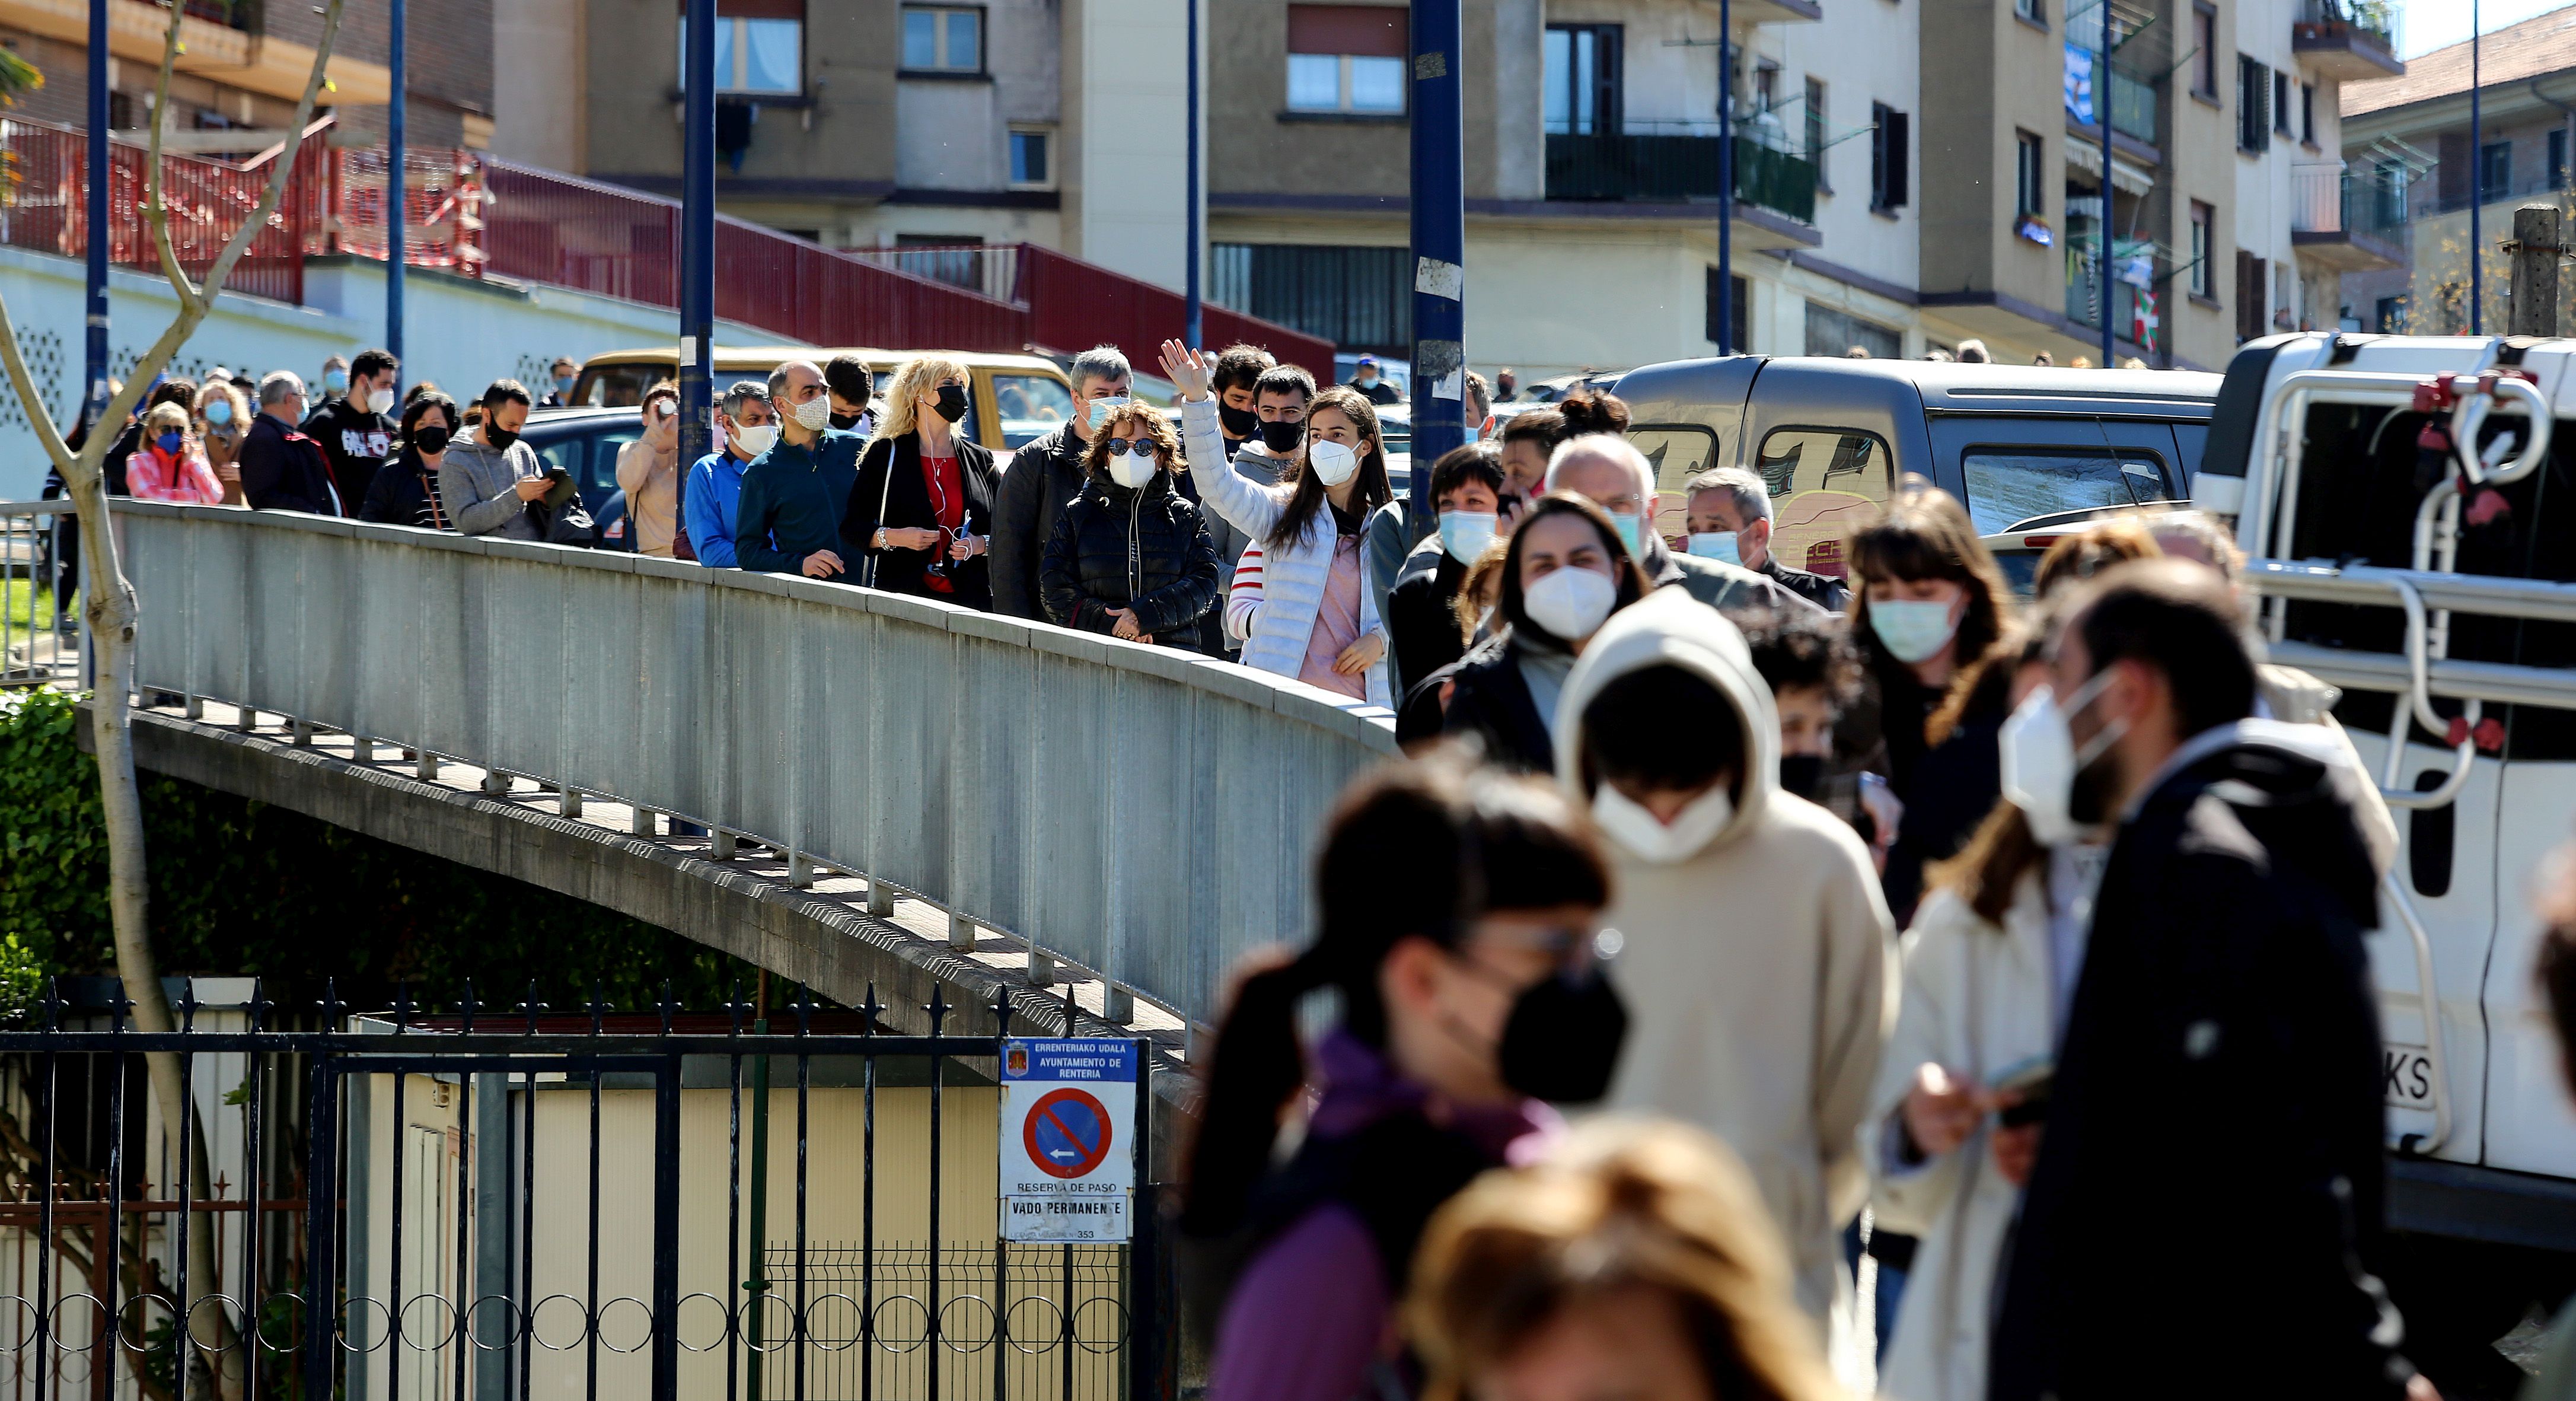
(715,481)
(1609,471)
(1045,476)
(281,468)
(788,517)
(1729,514)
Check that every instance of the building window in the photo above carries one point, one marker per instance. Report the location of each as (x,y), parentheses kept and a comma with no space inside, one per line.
(2281,103)
(1740,318)
(1581,83)
(2253,105)
(2204,226)
(1347,59)
(2558,159)
(2204,58)
(940,39)
(2495,170)
(2036,11)
(1816,124)
(1890,140)
(1832,332)
(1031,165)
(1357,298)
(2030,172)
(2308,113)
(2391,316)
(753,54)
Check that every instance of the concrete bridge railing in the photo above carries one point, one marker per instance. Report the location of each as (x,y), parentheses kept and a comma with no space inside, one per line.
(1141,813)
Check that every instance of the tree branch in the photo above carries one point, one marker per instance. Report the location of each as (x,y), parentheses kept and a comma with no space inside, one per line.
(155,213)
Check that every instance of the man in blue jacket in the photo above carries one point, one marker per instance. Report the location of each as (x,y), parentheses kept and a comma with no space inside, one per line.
(715,482)
(788,518)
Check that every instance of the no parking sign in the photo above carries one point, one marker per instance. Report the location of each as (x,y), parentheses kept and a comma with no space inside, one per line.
(1068,1139)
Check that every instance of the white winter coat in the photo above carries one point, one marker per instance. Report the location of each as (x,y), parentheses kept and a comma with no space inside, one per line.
(1760,974)
(1976,1002)
(1293,578)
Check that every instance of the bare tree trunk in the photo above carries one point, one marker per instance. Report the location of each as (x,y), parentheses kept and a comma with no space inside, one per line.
(112,609)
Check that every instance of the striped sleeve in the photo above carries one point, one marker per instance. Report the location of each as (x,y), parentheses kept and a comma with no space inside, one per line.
(1243,601)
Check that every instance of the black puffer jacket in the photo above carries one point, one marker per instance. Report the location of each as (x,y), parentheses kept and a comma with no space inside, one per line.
(1146,549)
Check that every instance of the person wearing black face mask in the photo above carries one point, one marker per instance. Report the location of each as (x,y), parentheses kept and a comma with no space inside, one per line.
(1470,981)
(1238,373)
(490,477)
(405,490)
(920,514)
(1815,677)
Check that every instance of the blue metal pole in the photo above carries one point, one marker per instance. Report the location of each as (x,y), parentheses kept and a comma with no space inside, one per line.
(396,248)
(698,234)
(1726,178)
(1439,207)
(95,367)
(2102,235)
(1192,333)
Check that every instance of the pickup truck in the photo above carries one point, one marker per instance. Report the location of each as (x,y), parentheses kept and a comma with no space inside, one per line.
(2407,506)
(1832,437)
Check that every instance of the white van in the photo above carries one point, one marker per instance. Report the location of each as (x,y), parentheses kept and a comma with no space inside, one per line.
(2438,588)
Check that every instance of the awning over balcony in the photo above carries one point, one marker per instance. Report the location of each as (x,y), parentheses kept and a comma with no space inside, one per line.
(2128,179)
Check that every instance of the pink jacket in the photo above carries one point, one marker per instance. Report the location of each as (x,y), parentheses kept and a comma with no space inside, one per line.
(152,475)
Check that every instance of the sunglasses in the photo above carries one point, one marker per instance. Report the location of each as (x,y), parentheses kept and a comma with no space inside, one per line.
(1119,445)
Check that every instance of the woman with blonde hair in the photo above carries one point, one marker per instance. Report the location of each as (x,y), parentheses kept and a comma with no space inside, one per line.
(223,415)
(921,511)
(167,464)
(1633,1260)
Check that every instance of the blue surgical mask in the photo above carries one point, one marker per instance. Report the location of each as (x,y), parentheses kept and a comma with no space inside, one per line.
(336,381)
(219,412)
(1913,630)
(563,385)
(1465,534)
(1715,544)
(1101,407)
(1631,532)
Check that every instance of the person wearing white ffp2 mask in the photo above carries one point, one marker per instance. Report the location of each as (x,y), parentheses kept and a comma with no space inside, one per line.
(1130,555)
(1565,572)
(1759,999)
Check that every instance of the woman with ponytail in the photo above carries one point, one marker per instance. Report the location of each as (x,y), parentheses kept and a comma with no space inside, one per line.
(1470,991)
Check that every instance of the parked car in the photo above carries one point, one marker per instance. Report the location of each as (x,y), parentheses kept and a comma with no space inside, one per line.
(2482,1178)
(584,443)
(1014,398)
(1832,438)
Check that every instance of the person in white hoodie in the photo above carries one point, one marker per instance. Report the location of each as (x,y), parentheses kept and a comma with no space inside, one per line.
(1759,963)
(1299,599)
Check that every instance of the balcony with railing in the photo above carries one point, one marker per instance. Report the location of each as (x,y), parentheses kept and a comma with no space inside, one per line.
(2352,40)
(2084,297)
(2348,220)
(2135,103)
(1654,167)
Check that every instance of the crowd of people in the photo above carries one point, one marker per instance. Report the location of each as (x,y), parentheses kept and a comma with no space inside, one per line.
(1664,816)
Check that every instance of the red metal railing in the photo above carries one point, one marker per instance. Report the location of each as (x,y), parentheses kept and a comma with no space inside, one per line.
(475,215)
(208,200)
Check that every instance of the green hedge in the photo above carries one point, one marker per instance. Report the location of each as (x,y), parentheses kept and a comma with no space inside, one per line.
(241,888)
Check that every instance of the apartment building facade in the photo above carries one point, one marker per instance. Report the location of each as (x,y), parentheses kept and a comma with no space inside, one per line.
(244,66)
(2422,165)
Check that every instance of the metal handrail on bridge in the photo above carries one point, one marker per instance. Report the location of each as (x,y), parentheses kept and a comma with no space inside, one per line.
(1138,812)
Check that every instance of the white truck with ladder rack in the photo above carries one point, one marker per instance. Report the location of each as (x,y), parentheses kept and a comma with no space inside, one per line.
(2407,507)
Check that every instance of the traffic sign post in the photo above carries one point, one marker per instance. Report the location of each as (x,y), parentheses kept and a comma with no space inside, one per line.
(1069,1145)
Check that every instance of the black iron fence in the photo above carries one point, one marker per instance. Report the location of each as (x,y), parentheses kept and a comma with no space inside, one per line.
(474,1203)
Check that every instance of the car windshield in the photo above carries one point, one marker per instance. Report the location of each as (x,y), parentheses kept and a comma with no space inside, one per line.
(618,386)
(1030,406)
